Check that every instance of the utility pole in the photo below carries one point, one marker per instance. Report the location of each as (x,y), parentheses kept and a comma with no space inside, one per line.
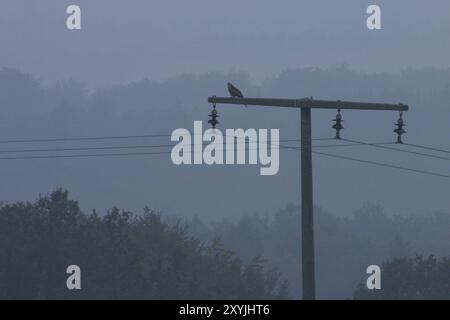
(308,268)
(307,217)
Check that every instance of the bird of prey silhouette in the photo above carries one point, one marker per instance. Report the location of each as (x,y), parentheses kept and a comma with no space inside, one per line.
(234,92)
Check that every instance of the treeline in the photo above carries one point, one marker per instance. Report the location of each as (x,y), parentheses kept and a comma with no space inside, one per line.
(121,256)
(148,256)
(69,104)
(345,247)
(416,278)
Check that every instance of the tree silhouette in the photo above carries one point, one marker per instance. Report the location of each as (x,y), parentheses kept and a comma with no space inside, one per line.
(121,255)
(411,278)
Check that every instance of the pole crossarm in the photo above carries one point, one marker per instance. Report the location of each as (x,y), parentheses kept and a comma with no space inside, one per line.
(309,103)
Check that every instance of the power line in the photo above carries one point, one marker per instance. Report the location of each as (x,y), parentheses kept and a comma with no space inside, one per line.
(398,150)
(110,148)
(87,148)
(352,143)
(321,139)
(94,155)
(162,135)
(84,138)
(349,145)
(125,147)
(427,148)
(381,164)
(169,152)
(86,155)
(172,145)
(101,155)
(245,139)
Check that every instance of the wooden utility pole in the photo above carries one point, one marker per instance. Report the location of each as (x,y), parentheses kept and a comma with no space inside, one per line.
(307,216)
(308,273)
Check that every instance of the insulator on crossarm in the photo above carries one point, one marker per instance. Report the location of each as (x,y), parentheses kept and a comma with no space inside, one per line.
(338,124)
(399,128)
(214,115)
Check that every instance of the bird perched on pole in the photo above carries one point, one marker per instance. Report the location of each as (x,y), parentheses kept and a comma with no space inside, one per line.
(234,92)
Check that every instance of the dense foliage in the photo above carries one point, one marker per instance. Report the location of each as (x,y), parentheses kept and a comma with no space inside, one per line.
(411,278)
(121,255)
(148,256)
(345,246)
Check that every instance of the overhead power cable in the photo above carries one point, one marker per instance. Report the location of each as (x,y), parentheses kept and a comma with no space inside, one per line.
(93,138)
(351,143)
(397,149)
(380,164)
(426,147)
(84,138)
(85,155)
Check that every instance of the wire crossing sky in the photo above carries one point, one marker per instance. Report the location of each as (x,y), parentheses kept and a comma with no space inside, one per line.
(150,146)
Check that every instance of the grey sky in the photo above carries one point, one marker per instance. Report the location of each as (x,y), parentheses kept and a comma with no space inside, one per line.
(123,41)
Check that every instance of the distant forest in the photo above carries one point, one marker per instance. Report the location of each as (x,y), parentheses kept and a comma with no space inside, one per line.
(345,247)
(148,256)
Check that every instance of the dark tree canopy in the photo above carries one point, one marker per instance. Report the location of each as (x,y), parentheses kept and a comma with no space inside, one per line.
(121,255)
(411,278)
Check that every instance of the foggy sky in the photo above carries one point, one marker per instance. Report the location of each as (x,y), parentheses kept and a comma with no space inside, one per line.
(124,41)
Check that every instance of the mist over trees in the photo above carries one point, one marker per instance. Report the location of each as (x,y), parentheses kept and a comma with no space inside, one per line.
(347,240)
(152,256)
(345,247)
(70,109)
